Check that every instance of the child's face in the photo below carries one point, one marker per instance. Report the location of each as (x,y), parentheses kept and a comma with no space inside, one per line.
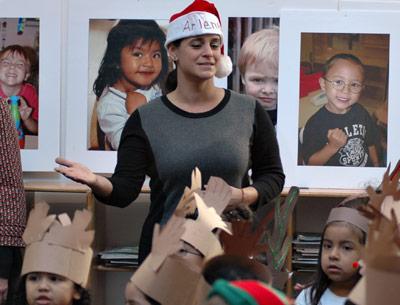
(142,64)
(261,81)
(133,296)
(13,69)
(341,247)
(49,289)
(342,85)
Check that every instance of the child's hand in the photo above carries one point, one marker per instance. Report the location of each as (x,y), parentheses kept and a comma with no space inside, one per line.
(24,110)
(336,138)
(134,100)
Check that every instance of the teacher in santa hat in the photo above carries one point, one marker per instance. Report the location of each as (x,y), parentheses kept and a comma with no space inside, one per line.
(196,124)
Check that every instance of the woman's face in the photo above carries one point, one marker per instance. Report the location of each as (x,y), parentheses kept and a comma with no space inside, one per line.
(44,288)
(197,56)
(141,64)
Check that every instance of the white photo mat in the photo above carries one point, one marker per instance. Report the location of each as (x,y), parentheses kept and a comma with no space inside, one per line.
(292,24)
(49,14)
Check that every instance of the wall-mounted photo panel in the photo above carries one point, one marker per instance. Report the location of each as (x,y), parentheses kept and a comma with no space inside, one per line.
(29,37)
(338,97)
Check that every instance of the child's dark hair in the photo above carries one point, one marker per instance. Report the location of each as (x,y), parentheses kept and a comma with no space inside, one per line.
(16,49)
(321,281)
(345,56)
(20,298)
(125,33)
(234,267)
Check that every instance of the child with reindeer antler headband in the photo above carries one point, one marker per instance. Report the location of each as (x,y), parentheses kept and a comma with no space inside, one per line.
(57,259)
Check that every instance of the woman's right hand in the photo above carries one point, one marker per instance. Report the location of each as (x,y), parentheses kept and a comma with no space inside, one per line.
(76,171)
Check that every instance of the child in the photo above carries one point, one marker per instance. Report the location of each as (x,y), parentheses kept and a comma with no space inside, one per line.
(343,240)
(342,132)
(258,65)
(14,71)
(57,259)
(133,68)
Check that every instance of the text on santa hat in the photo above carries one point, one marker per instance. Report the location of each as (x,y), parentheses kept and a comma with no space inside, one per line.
(200,23)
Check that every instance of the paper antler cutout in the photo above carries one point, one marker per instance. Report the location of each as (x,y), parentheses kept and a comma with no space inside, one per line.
(196,180)
(58,246)
(217,194)
(199,232)
(166,241)
(38,223)
(73,234)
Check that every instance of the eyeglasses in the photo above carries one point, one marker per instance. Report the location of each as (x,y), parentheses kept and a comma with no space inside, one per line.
(339,84)
(8,64)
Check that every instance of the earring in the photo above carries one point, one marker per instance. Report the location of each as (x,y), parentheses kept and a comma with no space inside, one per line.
(173,58)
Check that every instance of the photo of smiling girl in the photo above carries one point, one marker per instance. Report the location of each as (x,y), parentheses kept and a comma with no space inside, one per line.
(131,73)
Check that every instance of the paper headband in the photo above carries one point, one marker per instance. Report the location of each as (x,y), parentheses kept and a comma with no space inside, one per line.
(348,215)
(58,246)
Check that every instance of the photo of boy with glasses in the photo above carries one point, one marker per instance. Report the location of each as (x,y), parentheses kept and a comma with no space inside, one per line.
(341,133)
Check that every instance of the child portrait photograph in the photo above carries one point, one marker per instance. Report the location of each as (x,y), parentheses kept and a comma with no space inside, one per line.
(253,45)
(338,97)
(343,99)
(128,64)
(19,76)
(30,34)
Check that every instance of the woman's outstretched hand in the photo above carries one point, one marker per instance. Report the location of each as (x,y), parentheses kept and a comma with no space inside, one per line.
(75,171)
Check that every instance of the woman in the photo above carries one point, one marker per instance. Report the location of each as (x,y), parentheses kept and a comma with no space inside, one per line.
(198,124)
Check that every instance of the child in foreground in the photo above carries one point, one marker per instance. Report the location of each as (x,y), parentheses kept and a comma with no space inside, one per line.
(57,259)
(343,241)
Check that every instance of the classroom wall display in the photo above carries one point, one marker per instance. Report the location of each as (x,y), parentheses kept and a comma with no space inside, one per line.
(357,102)
(88,25)
(29,33)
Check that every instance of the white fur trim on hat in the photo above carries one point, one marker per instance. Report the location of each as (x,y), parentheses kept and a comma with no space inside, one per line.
(193,24)
(224,66)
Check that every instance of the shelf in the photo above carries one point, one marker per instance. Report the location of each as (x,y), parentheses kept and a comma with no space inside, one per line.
(115,269)
(325,192)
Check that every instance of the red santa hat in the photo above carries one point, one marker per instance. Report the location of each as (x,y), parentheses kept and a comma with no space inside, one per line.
(199,18)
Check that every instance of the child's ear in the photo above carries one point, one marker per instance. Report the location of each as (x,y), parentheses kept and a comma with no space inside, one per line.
(242,80)
(322,83)
(76,295)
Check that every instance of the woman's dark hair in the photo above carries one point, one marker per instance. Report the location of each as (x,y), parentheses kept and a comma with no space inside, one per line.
(172,79)
(125,33)
(321,281)
(346,56)
(20,298)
